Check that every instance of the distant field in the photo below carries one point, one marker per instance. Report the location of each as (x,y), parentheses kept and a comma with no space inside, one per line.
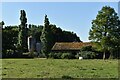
(59,68)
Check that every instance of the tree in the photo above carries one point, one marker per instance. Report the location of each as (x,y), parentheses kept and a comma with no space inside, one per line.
(106,30)
(46,37)
(70,37)
(2,23)
(60,35)
(9,36)
(22,36)
(35,31)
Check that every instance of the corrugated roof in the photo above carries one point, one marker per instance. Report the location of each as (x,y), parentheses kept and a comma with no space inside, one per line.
(70,45)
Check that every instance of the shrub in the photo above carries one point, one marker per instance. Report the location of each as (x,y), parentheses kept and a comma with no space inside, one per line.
(51,55)
(31,54)
(42,55)
(87,48)
(58,55)
(55,55)
(87,54)
(67,56)
(27,55)
(61,55)
(77,56)
(9,53)
(98,55)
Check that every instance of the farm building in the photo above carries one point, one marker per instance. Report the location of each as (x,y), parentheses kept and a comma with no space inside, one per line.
(69,46)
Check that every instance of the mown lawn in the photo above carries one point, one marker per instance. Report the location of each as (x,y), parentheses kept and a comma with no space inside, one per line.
(58,68)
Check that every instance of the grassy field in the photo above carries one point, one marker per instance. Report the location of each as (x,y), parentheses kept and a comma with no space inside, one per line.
(59,68)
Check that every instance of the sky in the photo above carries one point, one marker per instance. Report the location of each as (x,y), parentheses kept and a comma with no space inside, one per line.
(70,16)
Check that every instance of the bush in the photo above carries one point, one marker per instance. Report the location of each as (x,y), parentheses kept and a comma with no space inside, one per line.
(67,56)
(77,56)
(99,55)
(87,48)
(42,55)
(29,54)
(61,55)
(58,55)
(51,55)
(9,53)
(87,54)
(55,55)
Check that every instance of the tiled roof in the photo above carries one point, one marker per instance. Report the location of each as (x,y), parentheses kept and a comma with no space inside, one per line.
(70,45)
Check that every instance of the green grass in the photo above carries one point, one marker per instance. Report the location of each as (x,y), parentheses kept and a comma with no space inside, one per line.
(58,68)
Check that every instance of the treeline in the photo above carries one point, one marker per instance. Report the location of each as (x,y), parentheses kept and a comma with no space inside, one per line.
(104,33)
(10,37)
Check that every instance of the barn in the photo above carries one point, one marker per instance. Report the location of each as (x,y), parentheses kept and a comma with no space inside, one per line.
(73,47)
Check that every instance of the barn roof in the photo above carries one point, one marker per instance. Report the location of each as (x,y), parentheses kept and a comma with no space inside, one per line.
(69,45)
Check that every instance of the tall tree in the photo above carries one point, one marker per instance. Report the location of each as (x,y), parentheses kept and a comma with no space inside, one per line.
(9,36)
(60,35)
(106,30)
(22,36)
(2,23)
(35,31)
(46,37)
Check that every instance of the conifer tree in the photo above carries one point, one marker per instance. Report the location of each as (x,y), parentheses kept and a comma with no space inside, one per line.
(22,36)
(46,37)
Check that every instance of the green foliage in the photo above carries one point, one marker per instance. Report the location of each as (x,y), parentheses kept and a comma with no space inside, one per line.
(29,54)
(46,37)
(35,31)
(61,55)
(105,30)
(15,37)
(55,55)
(70,37)
(77,56)
(9,52)
(87,48)
(87,54)
(67,56)
(90,52)
(60,35)
(2,23)
(23,18)
(9,38)
(51,55)
(22,36)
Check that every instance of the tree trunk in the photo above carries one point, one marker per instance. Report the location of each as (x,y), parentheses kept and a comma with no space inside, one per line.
(110,57)
(104,55)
